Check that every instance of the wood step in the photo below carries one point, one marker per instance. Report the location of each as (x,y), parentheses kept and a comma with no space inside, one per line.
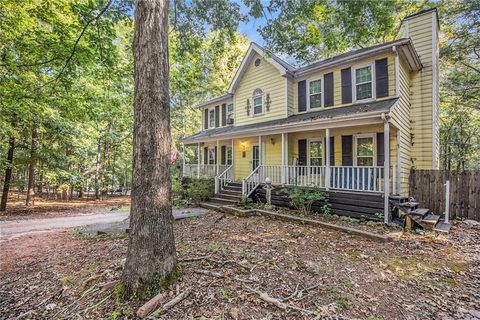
(222,200)
(222,195)
(234,188)
(442,227)
(429,221)
(410,204)
(235,184)
(422,212)
(232,192)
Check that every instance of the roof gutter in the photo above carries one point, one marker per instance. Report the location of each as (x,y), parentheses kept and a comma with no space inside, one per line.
(298,126)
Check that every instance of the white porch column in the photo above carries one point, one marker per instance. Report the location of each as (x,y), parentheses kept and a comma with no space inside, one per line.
(260,161)
(327,159)
(386,171)
(217,159)
(198,160)
(282,171)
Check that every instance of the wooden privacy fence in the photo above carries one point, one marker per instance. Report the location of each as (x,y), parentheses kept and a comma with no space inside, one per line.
(428,187)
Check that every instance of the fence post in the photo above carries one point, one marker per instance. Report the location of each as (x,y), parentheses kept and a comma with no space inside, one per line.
(447,200)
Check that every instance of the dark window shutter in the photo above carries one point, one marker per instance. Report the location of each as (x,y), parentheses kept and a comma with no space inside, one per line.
(302,96)
(206,119)
(347,150)
(332,151)
(381,77)
(302,152)
(328,86)
(224,155)
(380,149)
(224,115)
(217,116)
(216,155)
(205,155)
(347,85)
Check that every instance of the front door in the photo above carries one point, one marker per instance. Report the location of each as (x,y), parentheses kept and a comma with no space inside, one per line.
(255,156)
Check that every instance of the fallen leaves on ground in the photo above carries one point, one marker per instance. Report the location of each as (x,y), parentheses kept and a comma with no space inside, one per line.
(252,268)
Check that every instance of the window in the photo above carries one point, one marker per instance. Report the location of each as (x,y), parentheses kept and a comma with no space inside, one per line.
(315,94)
(363,83)
(316,153)
(230,113)
(229,155)
(364,150)
(211,118)
(211,155)
(257,101)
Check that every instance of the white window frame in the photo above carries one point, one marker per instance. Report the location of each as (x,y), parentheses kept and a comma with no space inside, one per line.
(253,103)
(210,126)
(354,82)
(365,135)
(322,140)
(321,93)
(208,161)
(233,111)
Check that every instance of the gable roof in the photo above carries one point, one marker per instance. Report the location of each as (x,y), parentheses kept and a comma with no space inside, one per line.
(283,67)
(375,108)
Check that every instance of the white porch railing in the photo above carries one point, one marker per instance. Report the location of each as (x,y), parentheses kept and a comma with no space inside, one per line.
(251,182)
(357,178)
(222,179)
(351,178)
(203,170)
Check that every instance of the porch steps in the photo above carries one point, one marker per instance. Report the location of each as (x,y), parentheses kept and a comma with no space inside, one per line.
(230,194)
(416,217)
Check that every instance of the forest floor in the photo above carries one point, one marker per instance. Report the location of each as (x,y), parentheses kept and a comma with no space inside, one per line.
(228,261)
(16,209)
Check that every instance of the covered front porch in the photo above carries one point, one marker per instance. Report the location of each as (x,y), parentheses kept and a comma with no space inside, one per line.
(361,158)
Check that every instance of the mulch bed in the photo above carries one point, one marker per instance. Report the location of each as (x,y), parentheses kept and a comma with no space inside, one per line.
(225,259)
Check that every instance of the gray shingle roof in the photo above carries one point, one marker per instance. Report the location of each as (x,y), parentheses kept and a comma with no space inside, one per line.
(332,113)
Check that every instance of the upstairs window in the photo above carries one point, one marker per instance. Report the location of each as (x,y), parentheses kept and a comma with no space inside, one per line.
(315,93)
(363,83)
(364,152)
(211,118)
(316,152)
(257,101)
(230,113)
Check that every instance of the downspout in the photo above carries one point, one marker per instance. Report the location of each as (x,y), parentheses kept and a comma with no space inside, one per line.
(386,168)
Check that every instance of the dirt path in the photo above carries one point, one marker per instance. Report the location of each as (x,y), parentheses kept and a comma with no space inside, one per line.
(17,228)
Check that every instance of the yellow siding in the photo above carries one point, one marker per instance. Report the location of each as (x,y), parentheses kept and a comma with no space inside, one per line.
(337,85)
(267,78)
(290,103)
(401,119)
(424,104)
(242,165)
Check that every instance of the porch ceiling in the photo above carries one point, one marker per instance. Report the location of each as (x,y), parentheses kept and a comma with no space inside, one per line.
(339,115)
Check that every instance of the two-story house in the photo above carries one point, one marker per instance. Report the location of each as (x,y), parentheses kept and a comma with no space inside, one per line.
(355,123)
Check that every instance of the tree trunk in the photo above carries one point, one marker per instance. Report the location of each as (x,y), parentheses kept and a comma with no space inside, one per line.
(97,167)
(8,174)
(30,200)
(151,254)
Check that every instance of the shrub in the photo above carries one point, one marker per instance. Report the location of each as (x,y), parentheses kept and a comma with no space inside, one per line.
(303,198)
(197,191)
(248,203)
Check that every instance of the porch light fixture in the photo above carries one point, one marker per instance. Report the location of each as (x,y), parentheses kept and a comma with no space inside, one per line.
(243,145)
(272,140)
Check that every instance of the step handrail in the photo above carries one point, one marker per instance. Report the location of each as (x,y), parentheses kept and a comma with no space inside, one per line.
(251,182)
(223,178)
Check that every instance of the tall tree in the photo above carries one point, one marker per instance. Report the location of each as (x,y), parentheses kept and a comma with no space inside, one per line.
(151,247)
